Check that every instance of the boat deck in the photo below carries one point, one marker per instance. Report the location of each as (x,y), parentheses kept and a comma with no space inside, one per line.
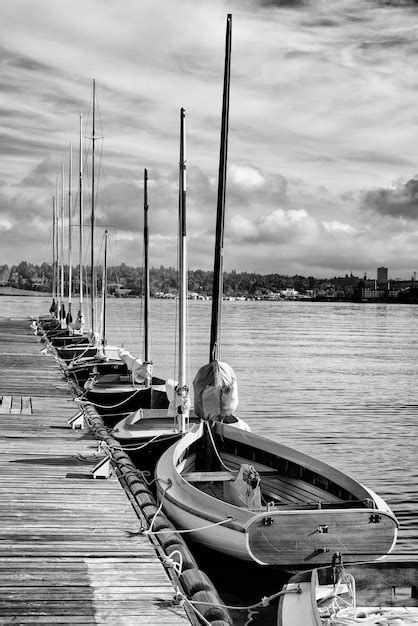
(70,549)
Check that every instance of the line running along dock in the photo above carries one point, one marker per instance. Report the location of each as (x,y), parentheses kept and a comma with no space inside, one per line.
(70,547)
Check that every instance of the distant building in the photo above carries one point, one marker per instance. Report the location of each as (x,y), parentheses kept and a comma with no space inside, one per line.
(382,274)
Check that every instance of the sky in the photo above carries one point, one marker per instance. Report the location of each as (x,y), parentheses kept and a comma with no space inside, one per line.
(323,130)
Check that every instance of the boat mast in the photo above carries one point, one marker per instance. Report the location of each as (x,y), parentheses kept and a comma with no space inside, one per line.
(182,390)
(69,317)
(146,270)
(57,277)
(81,220)
(92,208)
(57,254)
(53,306)
(220,212)
(62,311)
(104,292)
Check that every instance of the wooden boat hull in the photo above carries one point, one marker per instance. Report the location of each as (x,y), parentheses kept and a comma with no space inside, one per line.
(69,340)
(293,537)
(83,369)
(291,533)
(70,353)
(125,398)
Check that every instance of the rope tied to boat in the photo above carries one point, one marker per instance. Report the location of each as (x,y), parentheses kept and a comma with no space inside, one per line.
(136,447)
(169,561)
(228,469)
(149,531)
(180,598)
(263,603)
(185,530)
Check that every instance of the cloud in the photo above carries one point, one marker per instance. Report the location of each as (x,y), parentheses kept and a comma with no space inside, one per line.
(400,201)
(322,116)
(42,175)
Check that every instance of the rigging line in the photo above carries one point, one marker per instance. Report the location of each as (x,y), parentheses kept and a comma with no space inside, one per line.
(229,469)
(99,319)
(127,324)
(117,308)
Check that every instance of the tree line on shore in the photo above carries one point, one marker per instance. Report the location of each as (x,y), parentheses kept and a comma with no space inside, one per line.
(125,279)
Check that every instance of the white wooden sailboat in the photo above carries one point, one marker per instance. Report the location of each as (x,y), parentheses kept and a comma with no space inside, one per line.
(247,496)
(327,597)
(144,424)
(266,502)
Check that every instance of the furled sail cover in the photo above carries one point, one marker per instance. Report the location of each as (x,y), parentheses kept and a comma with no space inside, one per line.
(141,371)
(215,390)
(127,358)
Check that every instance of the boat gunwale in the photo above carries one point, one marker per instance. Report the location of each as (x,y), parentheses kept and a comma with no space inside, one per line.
(359,492)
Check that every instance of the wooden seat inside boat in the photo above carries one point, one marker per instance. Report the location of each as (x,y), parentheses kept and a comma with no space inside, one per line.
(204,477)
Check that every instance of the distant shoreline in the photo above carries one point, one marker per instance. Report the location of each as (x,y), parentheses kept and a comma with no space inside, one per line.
(12,291)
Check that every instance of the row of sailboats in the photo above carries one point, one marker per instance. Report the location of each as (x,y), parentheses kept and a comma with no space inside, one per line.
(232,490)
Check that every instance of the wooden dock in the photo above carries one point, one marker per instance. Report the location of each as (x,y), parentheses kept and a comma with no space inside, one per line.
(70,547)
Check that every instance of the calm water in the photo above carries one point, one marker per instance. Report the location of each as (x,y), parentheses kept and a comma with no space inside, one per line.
(335,380)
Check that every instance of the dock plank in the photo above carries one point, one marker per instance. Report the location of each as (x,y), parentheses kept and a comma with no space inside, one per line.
(71,550)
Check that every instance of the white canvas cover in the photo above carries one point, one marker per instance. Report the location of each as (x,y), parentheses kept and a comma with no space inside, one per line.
(215,390)
(141,371)
(127,358)
(170,389)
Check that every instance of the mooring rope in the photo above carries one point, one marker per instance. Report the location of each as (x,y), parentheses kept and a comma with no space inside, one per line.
(263,603)
(189,530)
(170,562)
(111,406)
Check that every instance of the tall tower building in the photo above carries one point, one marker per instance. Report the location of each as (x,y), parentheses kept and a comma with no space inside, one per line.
(382,274)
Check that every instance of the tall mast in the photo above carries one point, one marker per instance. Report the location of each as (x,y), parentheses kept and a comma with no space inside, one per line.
(92,208)
(81,220)
(70,259)
(62,312)
(54,293)
(220,212)
(182,389)
(146,270)
(57,254)
(104,293)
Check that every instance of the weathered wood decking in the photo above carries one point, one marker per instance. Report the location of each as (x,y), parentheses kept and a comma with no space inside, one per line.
(70,551)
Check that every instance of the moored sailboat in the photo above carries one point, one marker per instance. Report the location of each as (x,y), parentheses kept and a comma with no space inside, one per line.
(247,496)
(120,393)
(164,424)
(328,597)
(88,344)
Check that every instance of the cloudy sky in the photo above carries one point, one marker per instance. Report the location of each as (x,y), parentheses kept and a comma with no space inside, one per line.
(323,142)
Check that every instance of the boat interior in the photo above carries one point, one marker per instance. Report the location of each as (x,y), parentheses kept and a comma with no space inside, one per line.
(283,483)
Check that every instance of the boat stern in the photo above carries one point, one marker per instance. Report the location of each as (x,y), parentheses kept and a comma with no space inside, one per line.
(301,538)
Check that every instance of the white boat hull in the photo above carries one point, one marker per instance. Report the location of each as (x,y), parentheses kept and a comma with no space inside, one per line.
(286,534)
